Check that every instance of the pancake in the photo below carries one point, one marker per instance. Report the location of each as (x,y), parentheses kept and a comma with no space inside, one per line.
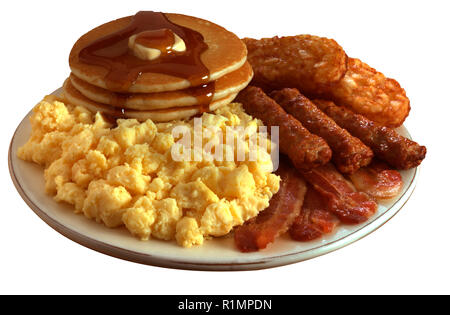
(229,84)
(74,97)
(226,53)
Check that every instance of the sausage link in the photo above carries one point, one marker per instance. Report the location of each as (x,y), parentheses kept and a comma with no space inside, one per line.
(385,142)
(305,150)
(349,153)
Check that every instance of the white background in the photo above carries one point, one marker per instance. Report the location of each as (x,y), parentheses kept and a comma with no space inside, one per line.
(407,40)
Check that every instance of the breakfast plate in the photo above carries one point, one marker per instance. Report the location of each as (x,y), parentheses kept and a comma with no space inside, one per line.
(215,254)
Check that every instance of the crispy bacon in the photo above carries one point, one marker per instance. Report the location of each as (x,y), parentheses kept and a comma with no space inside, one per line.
(350,206)
(284,207)
(314,220)
(378,180)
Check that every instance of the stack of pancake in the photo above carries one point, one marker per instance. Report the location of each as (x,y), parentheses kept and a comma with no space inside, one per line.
(155,95)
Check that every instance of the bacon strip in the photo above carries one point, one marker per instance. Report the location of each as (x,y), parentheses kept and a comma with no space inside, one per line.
(314,220)
(305,150)
(284,207)
(350,206)
(378,180)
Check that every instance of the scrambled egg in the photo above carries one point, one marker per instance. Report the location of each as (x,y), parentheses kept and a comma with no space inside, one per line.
(126,175)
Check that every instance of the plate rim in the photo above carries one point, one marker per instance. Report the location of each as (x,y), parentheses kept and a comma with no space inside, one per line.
(262,263)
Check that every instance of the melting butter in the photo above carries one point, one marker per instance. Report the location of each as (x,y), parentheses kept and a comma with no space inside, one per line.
(150,45)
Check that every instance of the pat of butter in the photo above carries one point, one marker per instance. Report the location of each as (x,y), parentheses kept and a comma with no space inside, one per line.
(149,53)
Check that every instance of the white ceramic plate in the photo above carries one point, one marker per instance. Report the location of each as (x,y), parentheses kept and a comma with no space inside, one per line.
(215,254)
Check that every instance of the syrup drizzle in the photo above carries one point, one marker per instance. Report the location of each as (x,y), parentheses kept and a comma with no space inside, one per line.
(112,53)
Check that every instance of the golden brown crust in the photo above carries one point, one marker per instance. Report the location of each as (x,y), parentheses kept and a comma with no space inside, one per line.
(319,68)
(303,61)
(230,83)
(368,92)
(220,59)
(74,97)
